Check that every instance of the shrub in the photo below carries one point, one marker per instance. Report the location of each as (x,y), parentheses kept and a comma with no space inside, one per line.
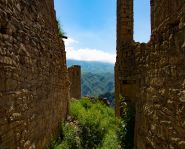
(68,137)
(93,125)
(61,32)
(93,121)
(126,133)
(111,140)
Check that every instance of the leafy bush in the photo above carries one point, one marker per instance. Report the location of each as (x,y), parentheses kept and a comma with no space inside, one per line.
(93,125)
(126,133)
(111,141)
(70,136)
(95,120)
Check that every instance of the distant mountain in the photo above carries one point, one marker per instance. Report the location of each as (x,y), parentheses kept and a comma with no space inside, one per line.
(97,84)
(97,78)
(93,67)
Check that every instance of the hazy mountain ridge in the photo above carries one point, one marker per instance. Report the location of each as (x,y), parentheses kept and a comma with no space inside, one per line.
(97,84)
(92,66)
(97,77)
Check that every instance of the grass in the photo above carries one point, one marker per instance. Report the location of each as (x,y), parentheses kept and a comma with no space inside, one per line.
(61,32)
(91,125)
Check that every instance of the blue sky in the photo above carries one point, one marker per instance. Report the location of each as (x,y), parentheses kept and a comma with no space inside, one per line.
(91,27)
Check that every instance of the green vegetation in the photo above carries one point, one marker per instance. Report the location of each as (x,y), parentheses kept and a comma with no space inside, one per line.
(100,83)
(92,66)
(61,32)
(110,97)
(97,84)
(97,79)
(91,125)
(126,133)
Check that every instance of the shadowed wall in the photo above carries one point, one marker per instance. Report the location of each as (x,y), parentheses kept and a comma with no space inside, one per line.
(152,75)
(34,84)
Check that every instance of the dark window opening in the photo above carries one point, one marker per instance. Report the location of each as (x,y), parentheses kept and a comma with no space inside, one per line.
(124,82)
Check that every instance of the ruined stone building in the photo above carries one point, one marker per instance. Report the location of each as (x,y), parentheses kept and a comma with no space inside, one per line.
(75,80)
(152,75)
(34,83)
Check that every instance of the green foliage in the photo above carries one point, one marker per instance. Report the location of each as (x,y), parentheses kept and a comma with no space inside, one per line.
(97,78)
(70,137)
(111,140)
(95,120)
(97,84)
(126,133)
(110,97)
(94,126)
(61,32)
(92,66)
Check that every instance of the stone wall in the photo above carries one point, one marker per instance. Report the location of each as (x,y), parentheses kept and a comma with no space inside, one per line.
(124,37)
(152,76)
(33,74)
(75,80)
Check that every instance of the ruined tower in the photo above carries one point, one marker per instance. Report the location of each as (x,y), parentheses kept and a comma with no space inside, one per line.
(75,81)
(125,23)
(152,75)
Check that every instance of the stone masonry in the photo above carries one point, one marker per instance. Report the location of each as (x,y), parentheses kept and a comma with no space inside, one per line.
(75,80)
(34,83)
(152,75)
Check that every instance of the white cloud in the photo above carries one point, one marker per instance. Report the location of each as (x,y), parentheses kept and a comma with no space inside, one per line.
(87,54)
(90,55)
(70,41)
